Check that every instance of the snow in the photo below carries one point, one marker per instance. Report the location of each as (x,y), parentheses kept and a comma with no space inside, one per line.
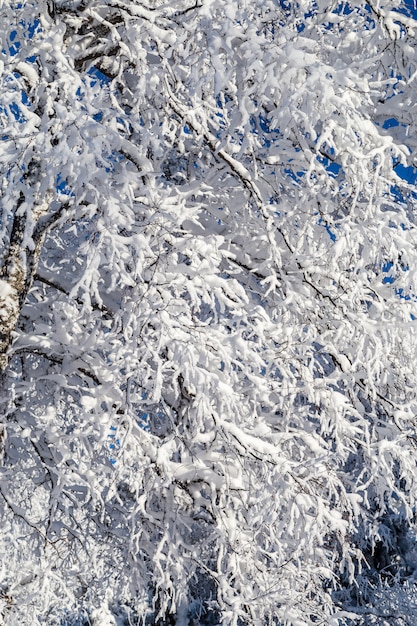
(6,290)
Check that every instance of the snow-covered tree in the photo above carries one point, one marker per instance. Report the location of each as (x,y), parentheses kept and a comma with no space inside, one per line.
(207,312)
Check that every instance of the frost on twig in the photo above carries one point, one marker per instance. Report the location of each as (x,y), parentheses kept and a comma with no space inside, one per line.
(207,312)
